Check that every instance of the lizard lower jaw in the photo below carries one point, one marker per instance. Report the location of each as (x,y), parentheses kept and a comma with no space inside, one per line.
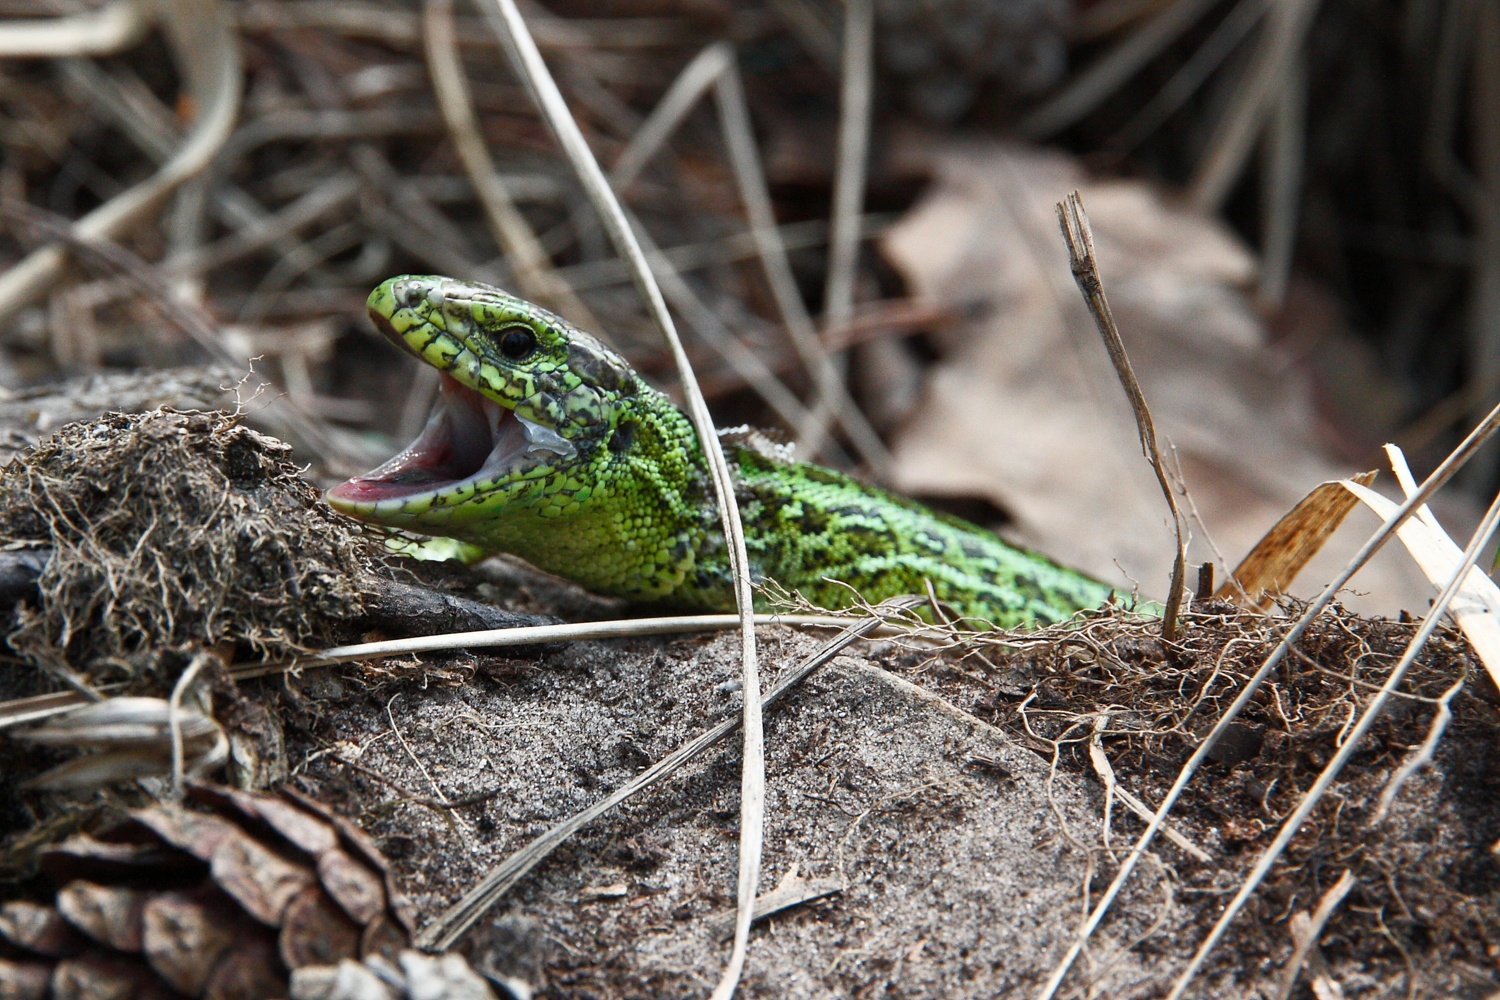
(469,441)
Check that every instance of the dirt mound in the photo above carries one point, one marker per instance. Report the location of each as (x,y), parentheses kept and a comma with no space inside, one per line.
(173,529)
(1426,898)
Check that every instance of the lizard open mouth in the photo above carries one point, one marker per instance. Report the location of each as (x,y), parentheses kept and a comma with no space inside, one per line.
(469,442)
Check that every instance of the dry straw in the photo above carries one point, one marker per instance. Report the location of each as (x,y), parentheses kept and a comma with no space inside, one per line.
(538,78)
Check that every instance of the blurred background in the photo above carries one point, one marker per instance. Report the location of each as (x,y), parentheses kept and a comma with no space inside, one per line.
(1296,205)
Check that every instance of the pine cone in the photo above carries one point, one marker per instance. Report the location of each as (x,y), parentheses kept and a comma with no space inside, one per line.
(239,898)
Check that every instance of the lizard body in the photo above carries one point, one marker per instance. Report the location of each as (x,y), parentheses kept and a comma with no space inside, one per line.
(551,447)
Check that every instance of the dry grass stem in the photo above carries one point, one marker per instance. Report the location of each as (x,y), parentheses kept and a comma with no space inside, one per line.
(534,274)
(711,329)
(109,29)
(529,635)
(714,68)
(750,175)
(1142,810)
(1075,229)
(24,711)
(1105,771)
(1226,37)
(1104,76)
(188,318)
(1436,554)
(533,70)
(855,94)
(670,112)
(208,56)
(1281,189)
(1254,98)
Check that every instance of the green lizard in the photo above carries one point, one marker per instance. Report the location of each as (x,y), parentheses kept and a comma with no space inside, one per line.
(549,446)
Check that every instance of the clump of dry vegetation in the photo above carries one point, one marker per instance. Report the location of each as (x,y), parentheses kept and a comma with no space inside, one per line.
(1111,701)
(170,530)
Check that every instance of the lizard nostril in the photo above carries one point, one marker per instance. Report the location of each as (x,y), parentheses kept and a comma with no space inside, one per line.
(409,295)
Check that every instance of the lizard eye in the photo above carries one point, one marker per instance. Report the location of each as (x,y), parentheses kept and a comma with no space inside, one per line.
(517,342)
(411,296)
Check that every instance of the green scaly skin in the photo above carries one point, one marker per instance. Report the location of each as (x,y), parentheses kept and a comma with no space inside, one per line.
(617,495)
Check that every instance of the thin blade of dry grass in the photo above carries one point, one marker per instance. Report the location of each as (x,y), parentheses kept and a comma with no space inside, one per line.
(533,270)
(1105,75)
(109,29)
(1477,609)
(532,69)
(1281,187)
(208,56)
(188,318)
(1269,74)
(670,112)
(855,95)
(23,711)
(714,68)
(1193,74)
(712,330)
(744,157)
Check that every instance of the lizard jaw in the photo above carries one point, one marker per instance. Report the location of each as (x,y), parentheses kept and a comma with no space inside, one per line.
(470,445)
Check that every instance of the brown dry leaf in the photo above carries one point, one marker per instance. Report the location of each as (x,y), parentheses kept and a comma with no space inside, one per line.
(1270,567)
(1024,411)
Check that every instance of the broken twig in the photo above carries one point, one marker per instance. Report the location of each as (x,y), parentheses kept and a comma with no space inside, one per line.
(1080,240)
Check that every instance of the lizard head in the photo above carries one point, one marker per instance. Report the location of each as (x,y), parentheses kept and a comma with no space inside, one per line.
(524,398)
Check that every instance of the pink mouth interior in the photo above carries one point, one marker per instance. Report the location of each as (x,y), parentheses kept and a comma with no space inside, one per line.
(459,442)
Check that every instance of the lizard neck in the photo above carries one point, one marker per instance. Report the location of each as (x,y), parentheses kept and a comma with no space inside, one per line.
(625,517)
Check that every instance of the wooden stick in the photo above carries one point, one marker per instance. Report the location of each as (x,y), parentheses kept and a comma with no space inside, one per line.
(1080,240)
